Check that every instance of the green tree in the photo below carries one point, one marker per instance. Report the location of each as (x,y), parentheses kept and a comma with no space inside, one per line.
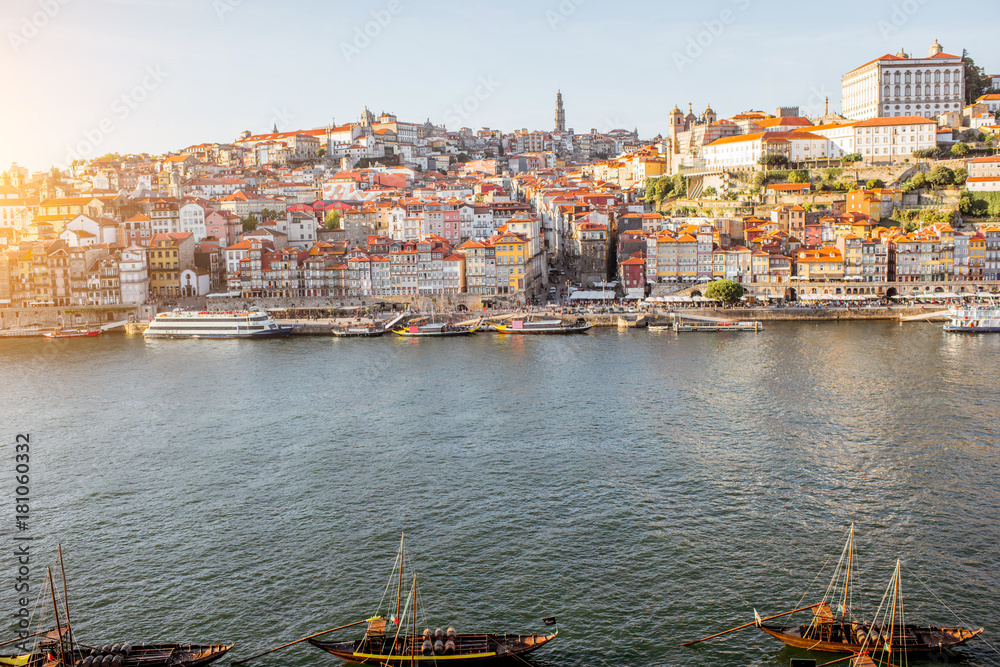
(940,177)
(726,291)
(912,226)
(851,157)
(961,149)
(977,82)
(919,180)
(773,160)
(321,152)
(798,176)
(710,191)
(332,220)
(875,184)
(269,214)
(249,223)
(961,175)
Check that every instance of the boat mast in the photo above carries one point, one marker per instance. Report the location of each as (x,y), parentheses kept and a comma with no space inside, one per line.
(895,601)
(69,625)
(55,609)
(847,584)
(413,644)
(399,589)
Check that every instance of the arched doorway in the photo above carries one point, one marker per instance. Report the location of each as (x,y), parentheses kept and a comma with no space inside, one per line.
(791,295)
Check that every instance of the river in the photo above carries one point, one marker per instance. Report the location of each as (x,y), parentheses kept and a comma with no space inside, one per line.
(644,488)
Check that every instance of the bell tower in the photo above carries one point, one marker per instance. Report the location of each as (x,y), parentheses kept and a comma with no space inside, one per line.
(560,113)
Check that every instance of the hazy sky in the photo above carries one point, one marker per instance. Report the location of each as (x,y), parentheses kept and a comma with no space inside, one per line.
(88,77)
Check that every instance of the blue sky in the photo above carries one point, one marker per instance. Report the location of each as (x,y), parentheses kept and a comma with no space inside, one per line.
(88,77)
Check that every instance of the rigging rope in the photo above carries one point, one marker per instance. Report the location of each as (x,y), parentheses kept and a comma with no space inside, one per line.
(945,605)
(495,608)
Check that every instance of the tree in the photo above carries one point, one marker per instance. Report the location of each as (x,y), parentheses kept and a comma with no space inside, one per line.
(977,82)
(919,180)
(851,157)
(912,226)
(961,149)
(269,214)
(321,152)
(249,223)
(726,291)
(798,176)
(332,220)
(926,153)
(773,160)
(961,175)
(710,191)
(875,184)
(940,177)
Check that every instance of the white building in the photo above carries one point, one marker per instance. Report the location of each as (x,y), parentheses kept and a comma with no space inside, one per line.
(898,85)
(133,276)
(893,139)
(192,219)
(744,150)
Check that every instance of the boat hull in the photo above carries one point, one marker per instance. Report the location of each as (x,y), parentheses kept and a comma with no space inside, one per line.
(470,649)
(72,334)
(280,332)
(146,655)
(967,329)
(432,334)
(358,333)
(847,637)
(503,328)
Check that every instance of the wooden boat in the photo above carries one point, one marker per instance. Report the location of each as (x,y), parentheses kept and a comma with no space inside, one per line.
(60,332)
(717,326)
(358,331)
(842,631)
(530,325)
(395,640)
(422,328)
(886,634)
(60,648)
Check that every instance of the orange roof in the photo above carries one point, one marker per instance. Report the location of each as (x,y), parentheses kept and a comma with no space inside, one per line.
(901,120)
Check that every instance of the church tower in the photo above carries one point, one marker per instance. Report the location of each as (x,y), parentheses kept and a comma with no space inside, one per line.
(560,113)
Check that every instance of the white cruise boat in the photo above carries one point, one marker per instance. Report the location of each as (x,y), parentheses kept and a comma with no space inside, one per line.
(974,319)
(215,324)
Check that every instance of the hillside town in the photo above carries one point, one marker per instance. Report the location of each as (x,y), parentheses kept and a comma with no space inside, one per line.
(896,194)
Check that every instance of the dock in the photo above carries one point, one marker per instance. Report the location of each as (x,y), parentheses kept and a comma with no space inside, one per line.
(936,316)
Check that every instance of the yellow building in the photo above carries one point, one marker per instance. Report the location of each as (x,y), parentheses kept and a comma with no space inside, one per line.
(164,266)
(511,260)
(825,263)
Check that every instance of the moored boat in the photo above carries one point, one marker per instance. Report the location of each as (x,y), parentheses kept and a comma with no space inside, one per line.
(215,324)
(60,332)
(717,326)
(537,326)
(358,331)
(843,630)
(974,319)
(60,648)
(422,328)
(395,640)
